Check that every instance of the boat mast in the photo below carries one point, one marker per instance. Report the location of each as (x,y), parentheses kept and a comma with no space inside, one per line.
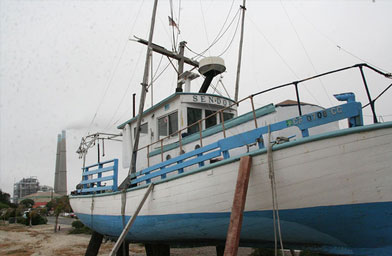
(132,168)
(237,81)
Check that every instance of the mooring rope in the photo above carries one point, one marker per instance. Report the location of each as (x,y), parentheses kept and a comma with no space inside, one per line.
(275,207)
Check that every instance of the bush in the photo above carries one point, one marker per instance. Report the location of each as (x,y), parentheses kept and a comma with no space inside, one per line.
(79,228)
(83,230)
(77,224)
(3,205)
(22,220)
(10,213)
(38,220)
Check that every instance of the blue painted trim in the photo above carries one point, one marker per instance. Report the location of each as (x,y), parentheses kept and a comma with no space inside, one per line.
(304,123)
(357,229)
(89,183)
(265,110)
(165,170)
(165,101)
(99,170)
(324,136)
(97,180)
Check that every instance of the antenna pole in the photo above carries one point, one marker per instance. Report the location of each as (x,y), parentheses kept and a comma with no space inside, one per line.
(180,66)
(132,168)
(237,81)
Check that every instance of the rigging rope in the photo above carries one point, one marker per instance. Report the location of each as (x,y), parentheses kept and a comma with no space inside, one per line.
(334,42)
(280,56)
(386,89)
(125,93)
(232,39)
(204,22)
(113,72)
(275,207)
(217,38)
(306,52)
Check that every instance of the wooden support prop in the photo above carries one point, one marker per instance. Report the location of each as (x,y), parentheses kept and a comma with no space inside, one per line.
(157,249)
(123,250)
(94,244)
(120,240)
(233,234)
(220,250)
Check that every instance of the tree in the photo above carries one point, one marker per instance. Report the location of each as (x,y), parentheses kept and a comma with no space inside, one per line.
(28,203)
(5,198)
(60,205)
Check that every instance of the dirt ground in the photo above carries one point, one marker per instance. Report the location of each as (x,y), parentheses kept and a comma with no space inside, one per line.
(21,240)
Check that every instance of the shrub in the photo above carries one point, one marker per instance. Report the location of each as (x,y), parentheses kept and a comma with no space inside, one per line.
(22,220)
(79,228)
(77,224)
(38,220)
(3,205)
(83,230)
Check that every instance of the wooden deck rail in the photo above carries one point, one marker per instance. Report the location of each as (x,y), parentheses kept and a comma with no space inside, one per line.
(350,110)
(92,179)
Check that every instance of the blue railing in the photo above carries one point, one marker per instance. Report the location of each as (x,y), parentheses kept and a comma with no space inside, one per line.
(351,110)
(93,177)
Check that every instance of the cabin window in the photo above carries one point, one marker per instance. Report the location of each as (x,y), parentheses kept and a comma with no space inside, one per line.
(211,121)
(143,129)
(193,115)
(168,124)
(226,116)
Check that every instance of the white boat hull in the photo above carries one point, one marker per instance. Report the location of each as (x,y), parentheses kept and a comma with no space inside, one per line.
(328,187)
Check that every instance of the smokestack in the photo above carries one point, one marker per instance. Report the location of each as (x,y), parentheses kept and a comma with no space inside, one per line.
(56,172)
(61,166)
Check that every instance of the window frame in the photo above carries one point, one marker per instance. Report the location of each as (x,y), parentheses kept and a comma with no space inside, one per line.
(167,124)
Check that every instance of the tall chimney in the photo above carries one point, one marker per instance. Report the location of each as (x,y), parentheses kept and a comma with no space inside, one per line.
(56,172)
(62,177)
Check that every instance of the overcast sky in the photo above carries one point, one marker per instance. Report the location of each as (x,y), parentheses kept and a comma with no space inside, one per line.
(64,62)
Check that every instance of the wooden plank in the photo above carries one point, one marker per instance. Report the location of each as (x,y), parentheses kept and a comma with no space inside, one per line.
(103,163)
(233,234)
(97,180)
(100,170)
(179,158)
(94,189)
(177,166)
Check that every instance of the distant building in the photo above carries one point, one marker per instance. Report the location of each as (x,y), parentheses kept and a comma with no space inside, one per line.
(42,198)
(28,186)
(24,187)
(45,188)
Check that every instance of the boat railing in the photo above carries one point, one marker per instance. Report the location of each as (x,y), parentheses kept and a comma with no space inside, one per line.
(94,175)
(180,133)
(221,149)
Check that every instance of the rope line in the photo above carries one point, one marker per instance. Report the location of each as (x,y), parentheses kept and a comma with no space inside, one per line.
(334,42)
(306,52)
(218,36)
(275,207)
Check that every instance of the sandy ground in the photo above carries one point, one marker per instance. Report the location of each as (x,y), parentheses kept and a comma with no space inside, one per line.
(21,240)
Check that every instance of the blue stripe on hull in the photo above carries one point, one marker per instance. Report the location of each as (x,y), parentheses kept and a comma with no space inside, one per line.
(359,229)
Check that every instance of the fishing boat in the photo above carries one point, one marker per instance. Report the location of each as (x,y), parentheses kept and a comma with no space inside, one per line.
(312,185)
